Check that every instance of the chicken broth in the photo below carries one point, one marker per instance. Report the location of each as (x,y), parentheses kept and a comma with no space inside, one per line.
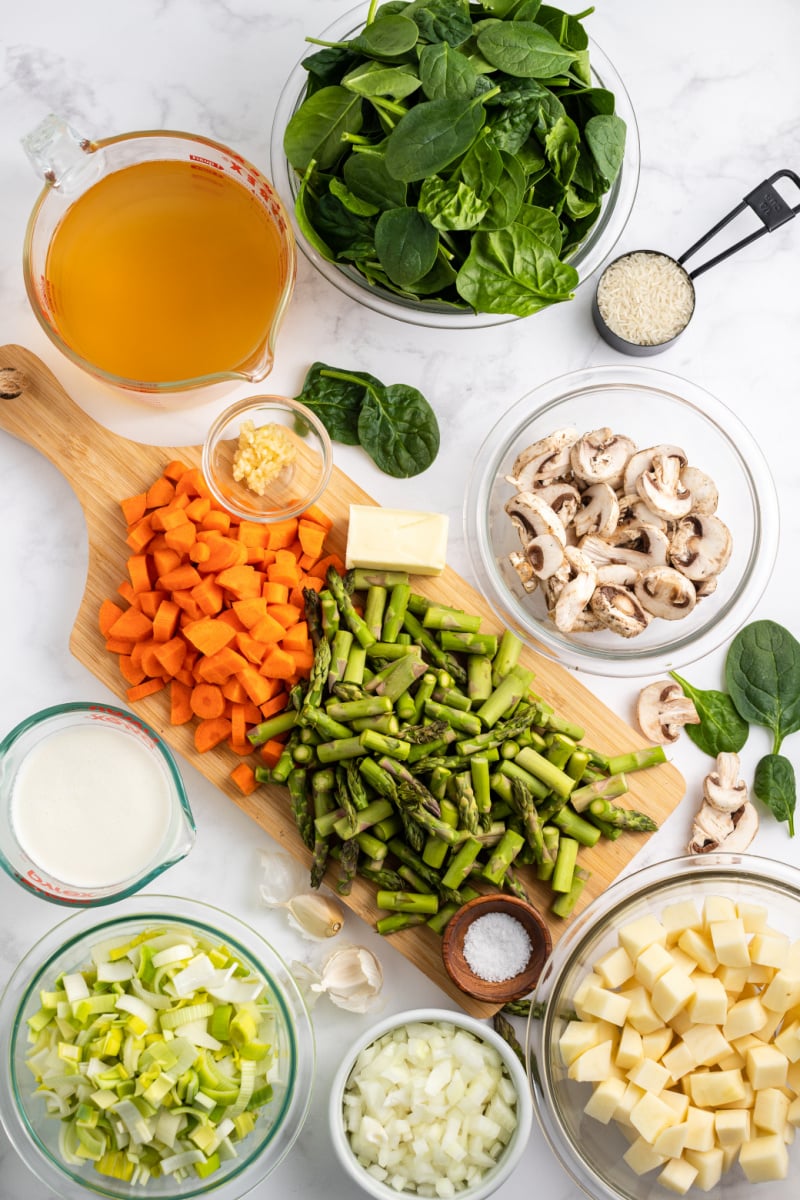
(166,271)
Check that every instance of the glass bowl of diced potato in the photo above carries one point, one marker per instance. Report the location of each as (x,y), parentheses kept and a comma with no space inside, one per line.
(664,1046)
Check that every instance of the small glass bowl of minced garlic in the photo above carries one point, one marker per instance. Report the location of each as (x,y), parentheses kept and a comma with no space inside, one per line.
(267,459)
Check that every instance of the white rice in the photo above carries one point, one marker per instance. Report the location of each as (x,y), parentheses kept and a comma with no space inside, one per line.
(645,298)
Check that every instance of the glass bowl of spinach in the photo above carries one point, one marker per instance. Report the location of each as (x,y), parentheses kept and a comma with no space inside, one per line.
(652,408)
(456,165)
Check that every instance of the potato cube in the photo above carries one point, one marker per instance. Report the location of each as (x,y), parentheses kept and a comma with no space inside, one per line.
(733,1060)
(681,959)
(710,1089)
(706,1043)
(700,1128)
(641,1014)
(588,981)
(678,1176)
(748,1099)
(759,974)
(641,1157)
(743,1044)
(788,1041)
(630,1099)
(656,1044)
(709,1004)
(709,1167)
(766,1032)
(630,1048)
(769,948)
(606,1005)
(732,1126)
(699,947)
(753,915)
(793,1077)
(745,1016)
(650,1075)
(766,1067)
(637,935)
(582,1035)
(782,992)
(671,993)
(614,968)
(793,1115)
(671,1141)
(680,1022)
(770,1110)
(605,1100)
(651,964)
(764,1158)
(650,1115)
(730,942)
(718,908)
(678,917)
(678,1102)
(733,979)
(593,1065)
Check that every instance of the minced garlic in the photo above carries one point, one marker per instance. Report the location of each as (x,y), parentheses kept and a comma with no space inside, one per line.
(261,455)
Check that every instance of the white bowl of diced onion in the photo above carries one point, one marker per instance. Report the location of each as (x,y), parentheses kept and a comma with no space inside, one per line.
(430,1103)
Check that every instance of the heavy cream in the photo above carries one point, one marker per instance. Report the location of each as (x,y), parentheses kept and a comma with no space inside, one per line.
(91,806)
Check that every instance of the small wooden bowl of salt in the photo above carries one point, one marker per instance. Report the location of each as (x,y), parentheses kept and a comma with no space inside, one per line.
(495,946)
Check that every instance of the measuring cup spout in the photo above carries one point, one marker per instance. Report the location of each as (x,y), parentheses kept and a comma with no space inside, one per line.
(65,158)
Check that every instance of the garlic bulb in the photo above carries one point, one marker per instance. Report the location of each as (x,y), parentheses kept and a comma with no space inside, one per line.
(312,914)
(352,978)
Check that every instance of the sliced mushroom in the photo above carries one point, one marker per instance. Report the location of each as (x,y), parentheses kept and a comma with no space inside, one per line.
(543,461)
(599,511)
(723,788)
(576,592)
(665,592)
(641,546)
(600,456)
(705,587)
(563,498)
(623,574)
(532,517)
(662,711)
(701,546)
(619,610)
(546,555)
(705,496)
(662,490)
(642,461)
(523,569)
(634,511)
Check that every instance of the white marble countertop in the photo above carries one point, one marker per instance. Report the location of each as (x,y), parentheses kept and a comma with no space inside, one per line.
(717,96)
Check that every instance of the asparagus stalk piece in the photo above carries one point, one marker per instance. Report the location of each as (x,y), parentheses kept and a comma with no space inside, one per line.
(374,607)
(440,616)
(367,577)
(468,643)
(603,789)
(479,678)
(623,818)
(636,760)
(502,856)
(564,904)
(339,650)
(561,880)
(523,802)
(508,693)
(355,623)
(574,826)
(300,804)
(395,611)
(408,902)
(397,921)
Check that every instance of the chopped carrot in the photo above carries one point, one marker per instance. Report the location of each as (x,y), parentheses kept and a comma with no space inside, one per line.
(218,668)
(173,470)
(303,660)
(125,590)
(187,602)
(165,622)
(160,492)
(296,637)
(192,483)
(134,508)
(181,538)
(314,513)
(215,518)
(270,752)
(148,602)
(171,655)
(140,534)
(209,733)
(132,625)
(207,701)
(180,709)
(209,634)
(284,569)
(250,647)
(165,560)
(238,724)
(110,612)
(253,683)
(276,704)
(268,630)
(224,552)
(284,614)
(251,610)
(275,593)
(229,617)
(241,581)
(282,534)
(169,517)
(199,552)
(198,508)
(209,596)
(253,534)
(232,690)
(149,660)
(119,645)
(182,577)
(131,674)
(245,778)
(330,560)
(277,663)
(140,690)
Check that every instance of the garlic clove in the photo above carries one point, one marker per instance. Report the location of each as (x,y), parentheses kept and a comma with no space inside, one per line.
(352,978)
(314,915)
(282,877)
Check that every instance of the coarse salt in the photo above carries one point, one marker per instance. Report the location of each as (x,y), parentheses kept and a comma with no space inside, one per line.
(497,947)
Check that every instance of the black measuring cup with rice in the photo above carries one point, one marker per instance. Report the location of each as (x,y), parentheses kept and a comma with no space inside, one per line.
(645,299)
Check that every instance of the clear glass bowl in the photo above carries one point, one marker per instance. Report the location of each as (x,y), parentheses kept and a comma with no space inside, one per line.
(650,407)
(298,484)
(177,837)
(34,1134)
(514,1149)
(599,243)
(589,1151)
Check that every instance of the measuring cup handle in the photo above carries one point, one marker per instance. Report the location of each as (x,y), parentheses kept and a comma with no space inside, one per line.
(768,205)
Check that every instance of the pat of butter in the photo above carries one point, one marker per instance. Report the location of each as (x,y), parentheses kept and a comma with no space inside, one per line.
(396,539)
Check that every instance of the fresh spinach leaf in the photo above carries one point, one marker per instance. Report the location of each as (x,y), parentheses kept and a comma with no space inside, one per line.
(513,270)
(561,150)
(762,673)
(442,21)
(314,132)
(406,244)
(605,137)
(566,29)
(375,79)
(387,37)
(336,401)
(431,136)
(774,785)
(721,730)
(450,204)
(353,203)
(523,48)
(505,198)
(398,428)
(445,73)
(366,176)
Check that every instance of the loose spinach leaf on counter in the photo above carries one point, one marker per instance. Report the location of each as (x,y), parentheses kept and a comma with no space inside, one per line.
(762,672)
(395,425)
(464,113)
(774,785)
(721,730)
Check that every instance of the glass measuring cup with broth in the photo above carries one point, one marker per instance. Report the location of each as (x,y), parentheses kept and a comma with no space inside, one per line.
(157,261)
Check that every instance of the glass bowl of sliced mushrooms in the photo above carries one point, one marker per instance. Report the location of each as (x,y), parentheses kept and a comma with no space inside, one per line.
(621,520)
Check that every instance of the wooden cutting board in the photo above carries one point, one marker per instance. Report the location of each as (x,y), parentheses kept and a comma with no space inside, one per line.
(102,468)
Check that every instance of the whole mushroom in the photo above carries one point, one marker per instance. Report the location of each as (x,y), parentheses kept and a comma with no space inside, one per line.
(663,710)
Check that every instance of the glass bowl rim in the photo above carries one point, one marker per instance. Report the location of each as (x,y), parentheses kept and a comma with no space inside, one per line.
(624,660)
(515,1146)
(647,883)
(265,401)
(44,716)
(624,191)
(176,911)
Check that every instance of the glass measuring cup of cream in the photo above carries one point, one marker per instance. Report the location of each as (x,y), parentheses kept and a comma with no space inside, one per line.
(92,805)
(158,261)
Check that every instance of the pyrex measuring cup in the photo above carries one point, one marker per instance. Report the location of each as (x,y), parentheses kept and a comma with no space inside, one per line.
(93,834)
(158,261)
(647,281)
